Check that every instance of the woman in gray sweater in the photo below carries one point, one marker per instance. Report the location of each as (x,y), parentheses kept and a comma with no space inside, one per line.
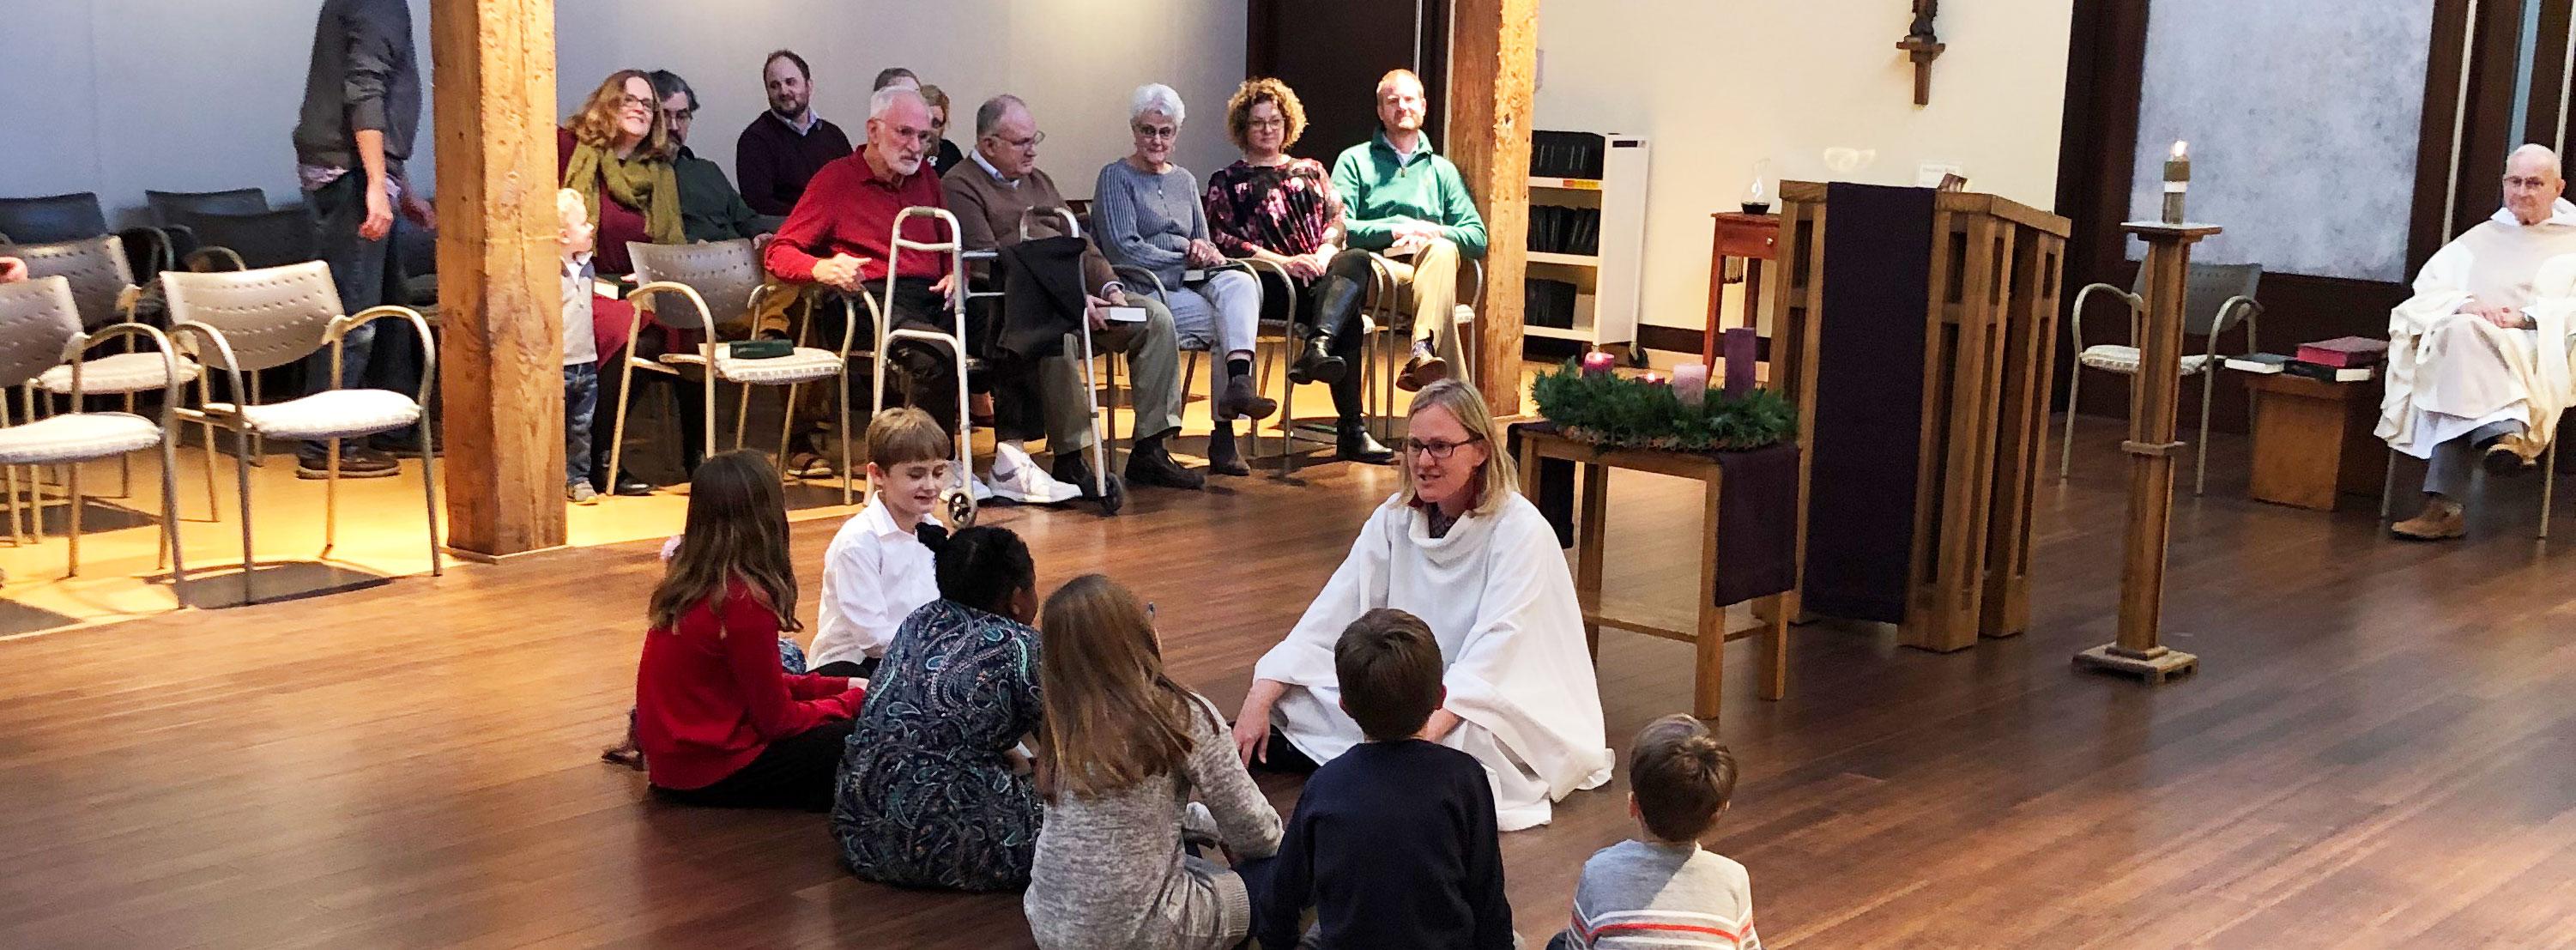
(1121,754)
(1145,214)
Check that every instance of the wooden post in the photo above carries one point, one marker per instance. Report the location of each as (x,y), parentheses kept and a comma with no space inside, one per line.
(2151,448)
(500,288)
(1492,77)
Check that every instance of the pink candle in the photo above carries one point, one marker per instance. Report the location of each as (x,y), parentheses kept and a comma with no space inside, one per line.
(1690,383)
(1739,361)
(1598,363)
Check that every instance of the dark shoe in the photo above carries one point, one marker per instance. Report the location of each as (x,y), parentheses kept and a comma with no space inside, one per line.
(1150,465)
(354,463)
(630,486)
(1238,401)
(2510,456)
(1317,364)
(404,448)
(1424,369)
(1221,457)
(1071,469)
(1354,444)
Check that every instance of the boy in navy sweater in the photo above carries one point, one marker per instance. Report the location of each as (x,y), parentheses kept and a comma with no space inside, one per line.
(1394,842)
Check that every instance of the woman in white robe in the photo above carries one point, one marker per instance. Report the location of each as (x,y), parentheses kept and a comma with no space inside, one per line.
(1460,548)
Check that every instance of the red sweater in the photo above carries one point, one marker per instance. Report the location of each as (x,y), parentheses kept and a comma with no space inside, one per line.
(846,210)
(709,696)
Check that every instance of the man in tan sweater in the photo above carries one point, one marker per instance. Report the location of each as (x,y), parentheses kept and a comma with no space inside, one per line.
(991,193)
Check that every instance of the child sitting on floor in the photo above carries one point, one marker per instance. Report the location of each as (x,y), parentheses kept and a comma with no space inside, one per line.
(1122,751)
(1662,890)
(580,349)
(877,570)
(719,723)
(1394,842)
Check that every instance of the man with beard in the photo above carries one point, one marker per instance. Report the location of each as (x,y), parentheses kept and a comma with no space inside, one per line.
(1404,201)
(782,148)
(710,210)
(840,236)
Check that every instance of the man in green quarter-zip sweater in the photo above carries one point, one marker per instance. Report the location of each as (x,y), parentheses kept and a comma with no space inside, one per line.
(1408,204)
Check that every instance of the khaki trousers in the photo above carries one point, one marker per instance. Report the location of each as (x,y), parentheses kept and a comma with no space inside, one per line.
(1432,275)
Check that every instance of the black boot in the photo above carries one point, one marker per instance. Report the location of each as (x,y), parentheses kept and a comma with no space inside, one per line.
(1336,310)
(1221,457)
(1352,442)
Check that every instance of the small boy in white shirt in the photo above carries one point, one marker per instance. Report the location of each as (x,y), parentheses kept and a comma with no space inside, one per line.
(877,570)
(581,350)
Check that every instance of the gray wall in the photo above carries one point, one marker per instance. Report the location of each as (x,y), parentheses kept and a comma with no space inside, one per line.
(117,96)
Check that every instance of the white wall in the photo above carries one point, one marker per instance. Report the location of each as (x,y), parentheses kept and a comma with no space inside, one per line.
(117,96)
(1718,85)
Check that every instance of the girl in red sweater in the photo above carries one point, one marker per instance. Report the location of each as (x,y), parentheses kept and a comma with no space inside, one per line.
(719,722)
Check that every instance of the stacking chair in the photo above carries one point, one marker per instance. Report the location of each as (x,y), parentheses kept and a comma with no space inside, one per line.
(1104,428)
(247,321)
(271,238)
(72,217)
(103,293)
(38,329)
(1389,334)
(961,499)
(2548,484)
(168,207)
(728,274)
(1268,331)
(2215,298)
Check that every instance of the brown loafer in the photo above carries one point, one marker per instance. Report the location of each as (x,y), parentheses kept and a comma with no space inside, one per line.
(2442,519)
(1423,369)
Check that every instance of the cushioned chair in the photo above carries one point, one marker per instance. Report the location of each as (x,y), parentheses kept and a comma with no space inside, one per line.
(2215,298)
(38,329)
(103,293)
(246,321)
(1389,339)
(1268,331)
(720,284)
(72,217)
(1103,432)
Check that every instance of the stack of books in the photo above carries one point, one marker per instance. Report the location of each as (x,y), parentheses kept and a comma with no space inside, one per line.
(2350,359)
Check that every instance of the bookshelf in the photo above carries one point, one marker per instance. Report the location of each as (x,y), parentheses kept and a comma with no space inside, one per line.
(1587,231)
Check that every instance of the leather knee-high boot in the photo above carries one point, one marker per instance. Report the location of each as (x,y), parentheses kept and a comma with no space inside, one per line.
(1337,308)
(1352,441)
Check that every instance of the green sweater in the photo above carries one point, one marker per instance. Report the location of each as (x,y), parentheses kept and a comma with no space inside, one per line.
(1377,192)
(710,210)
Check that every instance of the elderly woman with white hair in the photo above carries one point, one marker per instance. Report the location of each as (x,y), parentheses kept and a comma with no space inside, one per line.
(1460,548)
(1146,214)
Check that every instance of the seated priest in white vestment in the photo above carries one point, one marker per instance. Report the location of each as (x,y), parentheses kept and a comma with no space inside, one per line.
(1460,548)
(2478,357)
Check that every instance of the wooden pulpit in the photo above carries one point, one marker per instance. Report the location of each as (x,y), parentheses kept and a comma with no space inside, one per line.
(1915,337)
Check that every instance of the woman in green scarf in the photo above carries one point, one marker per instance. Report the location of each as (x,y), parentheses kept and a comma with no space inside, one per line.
(617,155)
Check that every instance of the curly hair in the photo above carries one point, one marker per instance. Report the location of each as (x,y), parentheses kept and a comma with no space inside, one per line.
(596,124)
(1253,92)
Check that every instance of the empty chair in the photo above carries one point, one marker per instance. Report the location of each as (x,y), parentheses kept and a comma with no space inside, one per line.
(2215,298)
(38,327)
(169,206)
(53,218)
(721,283)
(103,294)
(246,321)
(256,239)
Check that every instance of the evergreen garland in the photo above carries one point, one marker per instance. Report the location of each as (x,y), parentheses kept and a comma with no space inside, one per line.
(1625,412)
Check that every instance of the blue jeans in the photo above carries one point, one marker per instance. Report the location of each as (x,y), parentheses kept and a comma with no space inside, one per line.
(581,401)
(380,355)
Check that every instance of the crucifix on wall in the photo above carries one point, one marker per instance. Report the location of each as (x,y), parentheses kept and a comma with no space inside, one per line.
(1922,45)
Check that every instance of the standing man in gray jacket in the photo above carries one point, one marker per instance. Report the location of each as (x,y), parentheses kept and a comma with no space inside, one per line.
(361,111)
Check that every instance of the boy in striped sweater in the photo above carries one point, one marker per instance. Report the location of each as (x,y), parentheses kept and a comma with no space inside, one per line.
(1663,890)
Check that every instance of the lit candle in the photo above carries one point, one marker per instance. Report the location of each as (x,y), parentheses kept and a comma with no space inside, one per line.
(1739,361)
(2177,180)
(1598,363)
(1652,379)
(1690,383)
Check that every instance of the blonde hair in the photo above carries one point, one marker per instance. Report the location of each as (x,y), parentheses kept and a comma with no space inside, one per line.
(596,124)
(1253,92)
(905,435)
(1111,717)
(1496,480)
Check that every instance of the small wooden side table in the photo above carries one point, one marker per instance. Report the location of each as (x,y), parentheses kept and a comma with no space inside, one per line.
(2313,441)
(1753,237)
(1710,634)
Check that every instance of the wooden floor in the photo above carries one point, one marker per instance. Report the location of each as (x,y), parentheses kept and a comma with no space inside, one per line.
(2380,749)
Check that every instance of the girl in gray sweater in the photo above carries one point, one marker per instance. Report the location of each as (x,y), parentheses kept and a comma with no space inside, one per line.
(1122,752)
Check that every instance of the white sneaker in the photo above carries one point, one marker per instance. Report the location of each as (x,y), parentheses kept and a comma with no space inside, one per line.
(1019,478)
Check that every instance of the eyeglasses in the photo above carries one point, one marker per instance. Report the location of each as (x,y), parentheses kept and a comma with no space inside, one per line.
(1157,131)
(921,136)
(1034,139)
(1270,123)
(633,102)
(1436,449)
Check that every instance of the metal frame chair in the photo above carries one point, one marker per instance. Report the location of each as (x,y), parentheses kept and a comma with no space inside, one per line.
(1104,428)
(73,216)
(1266,331)
(257,319)
(103,293)
(2548,486)
(723,270)
(961,499)
(1384,349)
(38,317)
(2237,281)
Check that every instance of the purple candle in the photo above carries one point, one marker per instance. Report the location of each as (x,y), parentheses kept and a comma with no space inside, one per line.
(1739,361)
(1598,363)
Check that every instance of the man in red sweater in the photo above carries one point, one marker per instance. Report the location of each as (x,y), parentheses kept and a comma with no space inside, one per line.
(841,234)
